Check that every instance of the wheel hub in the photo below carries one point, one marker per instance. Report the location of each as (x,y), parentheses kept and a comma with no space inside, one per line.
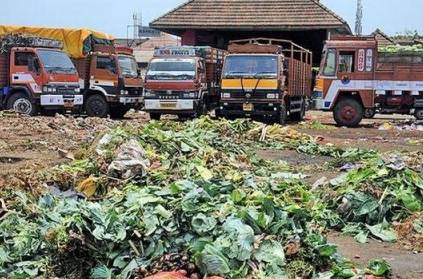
(96,107)
(348,112)
(22,105)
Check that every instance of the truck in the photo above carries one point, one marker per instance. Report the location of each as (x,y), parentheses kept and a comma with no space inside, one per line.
(266,78)
(183,81)
(358,80)
(36,75)
(110,80)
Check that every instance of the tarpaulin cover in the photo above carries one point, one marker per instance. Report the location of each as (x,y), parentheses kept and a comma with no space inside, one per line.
(76,42)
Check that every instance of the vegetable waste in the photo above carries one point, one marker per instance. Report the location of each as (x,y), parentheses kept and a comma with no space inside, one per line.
(196,197)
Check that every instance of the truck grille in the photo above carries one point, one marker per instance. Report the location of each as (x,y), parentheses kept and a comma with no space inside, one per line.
(259,94)
(66,90)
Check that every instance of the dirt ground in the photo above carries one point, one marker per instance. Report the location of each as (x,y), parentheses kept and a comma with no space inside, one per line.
(30,144)
(405,264)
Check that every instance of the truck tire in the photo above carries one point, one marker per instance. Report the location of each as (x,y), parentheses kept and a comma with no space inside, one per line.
(21,103)
(118,112)
(418,113)
(96,106)
(299,116)
(369,113)
(155,116)
(348,112)
(282,115)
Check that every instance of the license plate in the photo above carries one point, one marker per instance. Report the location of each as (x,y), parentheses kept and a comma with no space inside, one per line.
(248,107)
(168,105)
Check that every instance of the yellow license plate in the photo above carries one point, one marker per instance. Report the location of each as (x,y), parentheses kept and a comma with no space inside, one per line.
(168,105)
(248,107)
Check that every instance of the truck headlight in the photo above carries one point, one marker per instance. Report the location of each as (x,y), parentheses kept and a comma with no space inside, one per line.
(271,96)
(49,89)
(191,95)
(77,90)
(148,93)
(226,95)
(124,92)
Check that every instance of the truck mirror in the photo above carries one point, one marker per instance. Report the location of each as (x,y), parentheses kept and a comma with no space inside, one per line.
(138,72)
(37,66)
(31,64)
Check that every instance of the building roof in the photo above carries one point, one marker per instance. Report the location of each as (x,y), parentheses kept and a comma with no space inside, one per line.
(278,15)
(382,38)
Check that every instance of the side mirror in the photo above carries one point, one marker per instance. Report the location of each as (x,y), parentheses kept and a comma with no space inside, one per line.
(31,64)
(139,72)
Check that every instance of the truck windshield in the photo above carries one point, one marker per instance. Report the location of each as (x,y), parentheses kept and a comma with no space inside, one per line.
(128,66)
(263,66)
(55,61)
(171,69)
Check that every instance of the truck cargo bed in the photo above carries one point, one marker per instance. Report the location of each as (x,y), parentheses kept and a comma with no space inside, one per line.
(3,70)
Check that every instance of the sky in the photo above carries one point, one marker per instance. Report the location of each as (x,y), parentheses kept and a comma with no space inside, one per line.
(113,16)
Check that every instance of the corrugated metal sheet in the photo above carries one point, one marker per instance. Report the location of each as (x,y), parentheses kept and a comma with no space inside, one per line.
(247,14)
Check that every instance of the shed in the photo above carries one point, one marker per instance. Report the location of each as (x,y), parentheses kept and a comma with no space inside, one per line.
(216,22)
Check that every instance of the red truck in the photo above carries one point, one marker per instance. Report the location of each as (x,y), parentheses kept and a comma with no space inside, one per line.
(109,77)
(357,80)
(110,81)
(266,78)
(37,76)
(183,81)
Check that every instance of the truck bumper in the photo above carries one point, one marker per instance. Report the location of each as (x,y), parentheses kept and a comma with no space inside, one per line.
(134,102)
(61,101)
(171,106)
(250,108)
(318,102)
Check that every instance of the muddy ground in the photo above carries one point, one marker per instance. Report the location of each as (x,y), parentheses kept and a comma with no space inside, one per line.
(31,144)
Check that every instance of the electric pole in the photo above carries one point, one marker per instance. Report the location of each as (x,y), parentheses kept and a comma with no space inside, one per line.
(359,19)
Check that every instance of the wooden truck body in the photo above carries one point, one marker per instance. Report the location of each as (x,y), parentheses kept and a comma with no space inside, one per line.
(37,76)
(266,78)
(183,81)
(357,80)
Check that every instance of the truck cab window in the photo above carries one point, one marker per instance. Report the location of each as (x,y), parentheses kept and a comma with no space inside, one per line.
(329,68)
(346,61)
(106,63)
(22,58)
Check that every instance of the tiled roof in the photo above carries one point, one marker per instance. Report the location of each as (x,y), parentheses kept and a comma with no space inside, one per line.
(251,15)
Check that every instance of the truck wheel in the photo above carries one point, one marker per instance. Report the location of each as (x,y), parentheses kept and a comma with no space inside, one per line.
(299,116)
(155,116)
(348,112)
(369,113)
(118,112)
(96,106)
(282,115)
(418,113)
(21,103)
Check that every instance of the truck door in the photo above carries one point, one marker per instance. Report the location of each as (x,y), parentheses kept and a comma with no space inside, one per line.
(346,65)
(105,74)
(357,66)
(26,71)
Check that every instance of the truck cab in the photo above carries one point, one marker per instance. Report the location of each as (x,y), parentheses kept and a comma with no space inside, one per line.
(39,79)
(182,81)
(358,80)
(265,78)
(112,83)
